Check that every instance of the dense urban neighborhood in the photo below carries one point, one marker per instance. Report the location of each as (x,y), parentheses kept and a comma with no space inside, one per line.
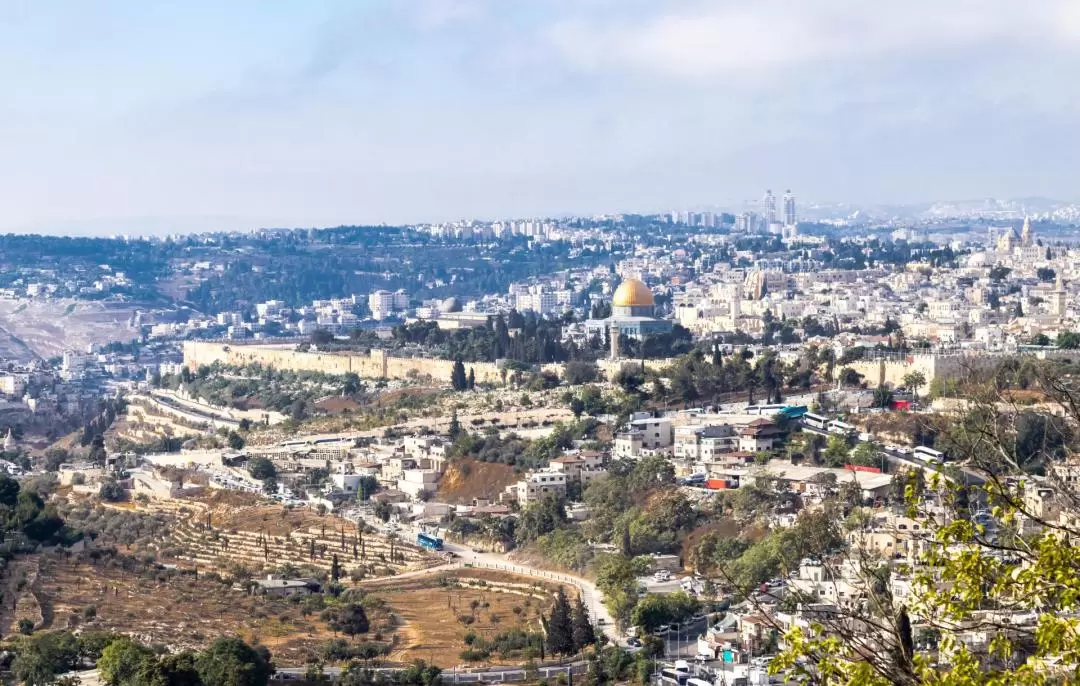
(690,448)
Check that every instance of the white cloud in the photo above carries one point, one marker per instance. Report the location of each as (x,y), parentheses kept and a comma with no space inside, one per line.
(742,39)
(434,14)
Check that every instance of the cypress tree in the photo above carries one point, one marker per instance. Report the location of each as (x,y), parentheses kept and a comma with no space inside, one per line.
(560,629)
(582,628)
(457,376)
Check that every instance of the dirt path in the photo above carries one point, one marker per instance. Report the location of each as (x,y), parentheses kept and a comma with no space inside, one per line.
(17,603)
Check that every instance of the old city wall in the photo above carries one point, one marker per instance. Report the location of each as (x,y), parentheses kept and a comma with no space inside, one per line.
(375,365)
(891,371)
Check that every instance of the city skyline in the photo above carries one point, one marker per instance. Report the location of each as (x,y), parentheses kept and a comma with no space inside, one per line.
(251,116)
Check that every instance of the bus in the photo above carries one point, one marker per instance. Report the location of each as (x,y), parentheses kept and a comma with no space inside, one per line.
(793,411)
(694,480)
(425,540)
(673,677)
(929,454)
(840,428)
(697,682)
(764,410)
(815,421)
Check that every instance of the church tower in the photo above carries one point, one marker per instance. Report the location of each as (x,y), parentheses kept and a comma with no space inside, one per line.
(1026,239)
(1059,299)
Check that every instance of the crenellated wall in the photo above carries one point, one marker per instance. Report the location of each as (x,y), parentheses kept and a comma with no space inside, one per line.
(374,365)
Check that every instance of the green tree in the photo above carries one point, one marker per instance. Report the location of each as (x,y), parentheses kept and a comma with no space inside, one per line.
(583,632)
(111,491)
(458,380)
(867,454)
(1045,274)
(349,618)
(261,468)
(235,441)
(455,426)
(560,629)
(9,491)
(1069,340)
(40,658)
(914,380)
(656,609)
(837,451)
(579,372)
(577,406)
(122,661)
(178,669)
(630,378)
(97,450)
(540,518)
(617,576)
(231,662)
(883,397)
(850,378)
(352,384)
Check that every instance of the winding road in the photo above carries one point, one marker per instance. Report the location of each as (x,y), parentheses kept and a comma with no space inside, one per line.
(468,559)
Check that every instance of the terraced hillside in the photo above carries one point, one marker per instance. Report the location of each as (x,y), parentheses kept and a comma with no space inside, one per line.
(243,535)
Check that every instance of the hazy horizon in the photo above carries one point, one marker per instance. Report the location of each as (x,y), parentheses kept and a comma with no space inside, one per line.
(203,117)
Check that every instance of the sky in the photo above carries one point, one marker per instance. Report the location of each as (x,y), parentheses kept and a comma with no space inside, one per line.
(126,116)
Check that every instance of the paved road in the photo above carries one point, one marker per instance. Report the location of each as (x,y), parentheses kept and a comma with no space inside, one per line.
(970,476)
(493,675)
(682,642)
(590,594)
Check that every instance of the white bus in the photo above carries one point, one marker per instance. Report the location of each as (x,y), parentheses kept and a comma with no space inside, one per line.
(764,410)
(815,421)
(840,428)
(673,677)
(929,454)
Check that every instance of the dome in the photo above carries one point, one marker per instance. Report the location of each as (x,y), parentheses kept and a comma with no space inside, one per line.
(632,293)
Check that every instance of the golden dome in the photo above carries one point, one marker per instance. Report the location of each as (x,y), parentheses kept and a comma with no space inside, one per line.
(632,293)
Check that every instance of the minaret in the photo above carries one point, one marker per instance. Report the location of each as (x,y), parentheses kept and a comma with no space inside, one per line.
(1060,298)
(613,335)
(1025,234)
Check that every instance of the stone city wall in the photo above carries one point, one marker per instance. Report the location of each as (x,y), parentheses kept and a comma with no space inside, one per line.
(374,365)
(891,371)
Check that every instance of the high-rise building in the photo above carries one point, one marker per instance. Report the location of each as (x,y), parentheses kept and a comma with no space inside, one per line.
(768,207)
(789,208)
